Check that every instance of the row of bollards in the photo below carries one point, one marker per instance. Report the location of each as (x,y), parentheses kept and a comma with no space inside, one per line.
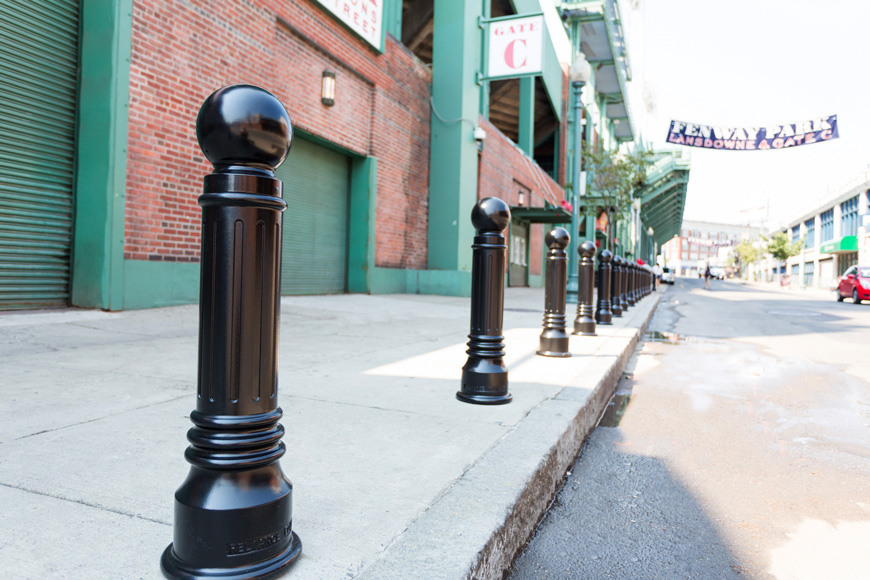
(233,513)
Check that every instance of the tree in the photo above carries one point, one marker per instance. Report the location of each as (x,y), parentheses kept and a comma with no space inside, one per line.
(615,177)
(781,248)
(747,253)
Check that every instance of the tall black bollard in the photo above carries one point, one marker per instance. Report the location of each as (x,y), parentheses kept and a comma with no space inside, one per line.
(484,376)
(632,281)
(233,513)
(615,284)
(603,314)
(584,324)
(625,266)
(554,338)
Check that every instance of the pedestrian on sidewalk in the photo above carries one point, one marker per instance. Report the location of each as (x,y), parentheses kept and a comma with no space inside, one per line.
(707,275)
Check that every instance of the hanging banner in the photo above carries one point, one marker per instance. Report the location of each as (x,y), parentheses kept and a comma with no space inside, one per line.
(515,46)
(754,138)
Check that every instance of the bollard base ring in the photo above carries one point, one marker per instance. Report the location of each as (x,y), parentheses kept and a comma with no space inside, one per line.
(175,569)
(484,399)
(553,353)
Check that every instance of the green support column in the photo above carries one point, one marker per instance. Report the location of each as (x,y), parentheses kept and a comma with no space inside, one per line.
(590,228)
(101,148)
(393,18)
(453,153)
(527,116)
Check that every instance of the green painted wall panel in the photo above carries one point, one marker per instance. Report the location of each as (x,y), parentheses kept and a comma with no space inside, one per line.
(101,145)
(361,229)
(154,284)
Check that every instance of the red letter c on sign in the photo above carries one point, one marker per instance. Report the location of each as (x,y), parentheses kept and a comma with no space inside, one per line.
(512,54)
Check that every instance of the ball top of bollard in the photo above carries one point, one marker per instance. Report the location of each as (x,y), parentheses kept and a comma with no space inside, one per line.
(557,239)
(605,256)
(586,249)
(244,125)
(490,214)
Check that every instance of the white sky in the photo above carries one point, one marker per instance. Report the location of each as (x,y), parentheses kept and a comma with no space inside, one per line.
(755,63)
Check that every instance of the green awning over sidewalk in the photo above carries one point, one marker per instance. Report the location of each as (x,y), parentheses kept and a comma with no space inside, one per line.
(841,246)
(541,215)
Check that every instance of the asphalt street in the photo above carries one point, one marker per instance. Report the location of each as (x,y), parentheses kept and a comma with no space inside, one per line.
(737,446)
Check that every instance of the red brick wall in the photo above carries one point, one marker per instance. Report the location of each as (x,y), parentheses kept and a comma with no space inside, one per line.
(504,171)
(184,51)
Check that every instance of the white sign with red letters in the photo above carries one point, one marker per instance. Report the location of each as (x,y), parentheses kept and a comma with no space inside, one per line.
(362,16)
(516,47)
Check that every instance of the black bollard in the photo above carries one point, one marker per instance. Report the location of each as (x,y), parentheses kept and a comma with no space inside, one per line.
(233,513)
(484,376)
(603,314)
(584,324)
(615,283)
(554,338)
(629,292)
(623,287)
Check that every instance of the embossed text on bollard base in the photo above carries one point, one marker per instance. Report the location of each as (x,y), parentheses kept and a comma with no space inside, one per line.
(233,513)
(484,376)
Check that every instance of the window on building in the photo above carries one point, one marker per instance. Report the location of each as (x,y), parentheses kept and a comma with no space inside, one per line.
(809,272)
(795,234)
(685,244)
(795,270)
(827,229)
(810,239)
(849,217)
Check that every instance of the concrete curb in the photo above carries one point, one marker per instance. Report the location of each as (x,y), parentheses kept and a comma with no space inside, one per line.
(479,525)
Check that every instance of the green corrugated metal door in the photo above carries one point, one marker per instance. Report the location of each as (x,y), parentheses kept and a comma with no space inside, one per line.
(38,85)
(314,250)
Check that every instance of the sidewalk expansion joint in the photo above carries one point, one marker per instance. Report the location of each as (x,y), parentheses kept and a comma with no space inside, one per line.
(86,504)
(101,418)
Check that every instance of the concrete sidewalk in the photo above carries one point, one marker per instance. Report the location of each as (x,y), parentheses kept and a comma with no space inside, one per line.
(393,477)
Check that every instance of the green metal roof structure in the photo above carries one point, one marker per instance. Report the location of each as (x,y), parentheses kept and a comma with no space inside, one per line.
(603,43)
(663,197)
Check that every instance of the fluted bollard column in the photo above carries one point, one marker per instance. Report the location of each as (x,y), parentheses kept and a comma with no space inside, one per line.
(584,323)
(615,284)
(603,314)
(632,281)
(484,376)
(233,513)
(554,338)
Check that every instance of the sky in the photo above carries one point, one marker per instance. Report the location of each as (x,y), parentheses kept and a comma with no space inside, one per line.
(749,63)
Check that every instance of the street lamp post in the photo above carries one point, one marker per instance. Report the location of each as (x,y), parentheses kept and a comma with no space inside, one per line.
(578,74)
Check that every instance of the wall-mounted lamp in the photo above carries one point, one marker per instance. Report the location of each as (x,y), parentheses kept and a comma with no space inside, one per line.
(479,136)
(522,199)
(327,88)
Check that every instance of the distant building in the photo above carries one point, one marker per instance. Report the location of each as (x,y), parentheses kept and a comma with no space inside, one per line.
(836,235)
(701,244)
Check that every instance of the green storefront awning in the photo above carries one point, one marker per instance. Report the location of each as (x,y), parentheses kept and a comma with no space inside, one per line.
(841,246)
(541,215)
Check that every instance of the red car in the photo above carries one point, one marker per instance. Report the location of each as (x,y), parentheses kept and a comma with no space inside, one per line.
(854,282)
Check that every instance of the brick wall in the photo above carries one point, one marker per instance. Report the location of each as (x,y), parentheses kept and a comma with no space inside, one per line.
(504,171)
(183,51)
